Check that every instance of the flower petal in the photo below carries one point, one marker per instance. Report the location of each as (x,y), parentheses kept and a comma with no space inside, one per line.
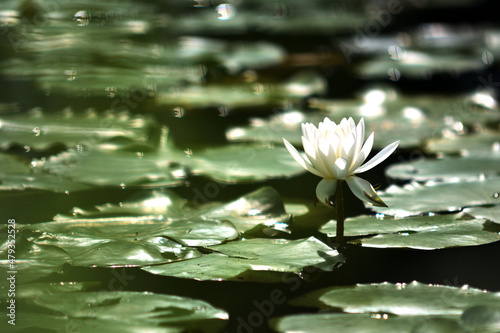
(364,191)
(325,191)
(377,159)
(315,158)
(341,168)
(362,155)
(302,161)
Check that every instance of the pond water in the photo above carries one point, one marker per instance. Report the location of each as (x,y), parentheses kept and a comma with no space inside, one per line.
(145,186)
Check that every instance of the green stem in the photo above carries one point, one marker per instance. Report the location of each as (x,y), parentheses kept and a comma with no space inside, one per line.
(339,203)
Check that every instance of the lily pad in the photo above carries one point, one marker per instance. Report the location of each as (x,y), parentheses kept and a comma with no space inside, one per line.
(260,260)
(390,115)
(490,213)
(261,210)
(99,168)
(130,240)
(39,130)
(226,164)
(415,198)
(426,232)
(413,299)
(467,168)
(32,261)
(420,65)
(120,311)
(482,143)
(367,323)
(16,174)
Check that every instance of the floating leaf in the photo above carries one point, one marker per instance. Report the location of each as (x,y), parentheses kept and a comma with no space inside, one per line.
(419,232)
(110,168)
(390,115)
(39,130)
(243,163)
(415,198)
(155,202)
(32,261)
(369,323)
(413,299)
(490,213)
(420,65)
(17,175)
(227,164)
(131,240)
(482,143)
(261,209)
(448,168)
(103,311)
(260,260)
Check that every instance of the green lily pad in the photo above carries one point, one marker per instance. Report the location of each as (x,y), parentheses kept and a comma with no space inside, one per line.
(414,198)
(99,168)
(482,143)
(32,261)
(17,174)
(392,116)
(419,232)
(490,213)
(260,260)
(226,164)
(367,323)
(260,210)
(120,311)
(420,65)
(39,130)
(131,240)
(413,299)
(448,168)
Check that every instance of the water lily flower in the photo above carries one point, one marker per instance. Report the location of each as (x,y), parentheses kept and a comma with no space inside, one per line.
(336,153)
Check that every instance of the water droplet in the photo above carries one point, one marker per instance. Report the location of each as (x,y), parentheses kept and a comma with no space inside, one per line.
(27,148)
(396,52)
(495,195)
(79,148)
(82,18)
(37,131)
(225,11)
(71,73)
(201,308)
(487,58)
(66,192)
(179,112)
(123,185)
(110,92)
(140,154)
(223,111)
(394,74)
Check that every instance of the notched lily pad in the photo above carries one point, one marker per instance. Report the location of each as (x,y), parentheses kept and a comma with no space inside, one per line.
(482,143)
(139,240)
(260,260)
(370,323)
(415,198)
(448,168)
(168,166)
(413,299)
(425,232)
(39,130)
(120,311)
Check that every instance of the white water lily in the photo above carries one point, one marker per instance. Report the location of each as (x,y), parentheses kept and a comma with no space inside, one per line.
(336,153)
